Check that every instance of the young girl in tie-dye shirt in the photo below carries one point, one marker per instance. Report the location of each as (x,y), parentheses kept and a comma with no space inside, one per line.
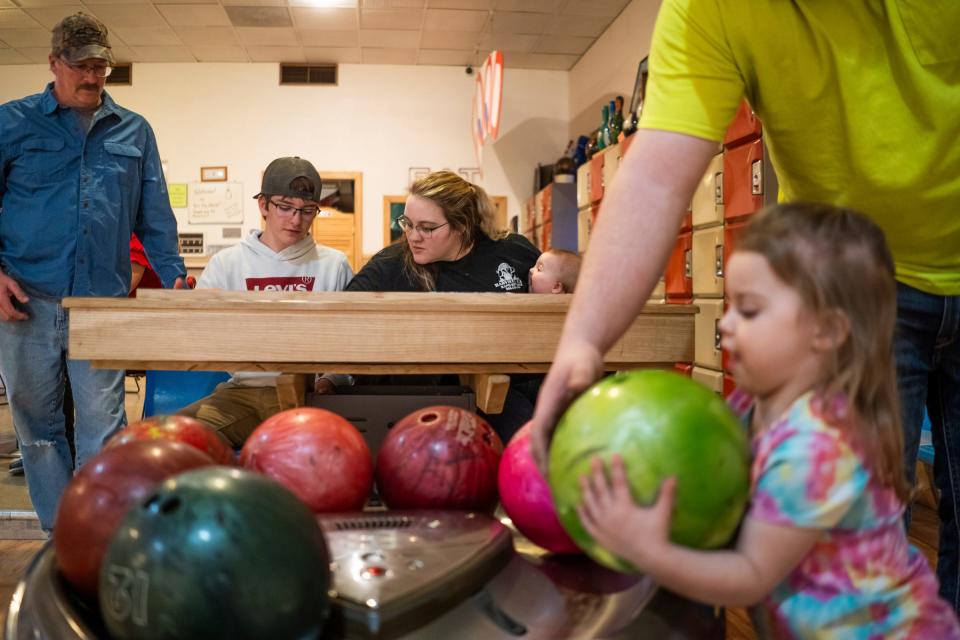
(822,551)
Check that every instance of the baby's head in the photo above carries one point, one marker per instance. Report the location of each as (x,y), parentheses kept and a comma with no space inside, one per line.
(556,271)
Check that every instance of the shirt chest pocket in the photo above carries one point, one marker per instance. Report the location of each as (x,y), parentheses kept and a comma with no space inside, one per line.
(122,159)
(43,160)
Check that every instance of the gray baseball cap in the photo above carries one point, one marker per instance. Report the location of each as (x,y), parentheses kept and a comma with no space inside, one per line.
(79,37)
(283,171)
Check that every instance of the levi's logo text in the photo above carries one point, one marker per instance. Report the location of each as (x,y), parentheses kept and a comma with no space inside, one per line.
(287,283)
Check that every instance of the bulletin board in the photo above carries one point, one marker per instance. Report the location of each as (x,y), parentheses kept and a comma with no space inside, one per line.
(215,203)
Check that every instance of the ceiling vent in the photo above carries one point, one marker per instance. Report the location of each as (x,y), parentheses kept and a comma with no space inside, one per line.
(308,74)
(122,74)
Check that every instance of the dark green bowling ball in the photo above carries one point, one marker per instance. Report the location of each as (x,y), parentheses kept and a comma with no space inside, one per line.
(217,553)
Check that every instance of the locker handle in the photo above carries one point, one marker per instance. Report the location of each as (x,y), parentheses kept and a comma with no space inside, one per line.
(756,184)
(688,263)
(718,260)
(718,188)
(716,334)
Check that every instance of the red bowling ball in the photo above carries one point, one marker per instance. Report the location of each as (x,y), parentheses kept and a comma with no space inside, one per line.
(179,429)
(526,498)
(317,455)
(102,492)
(440,458)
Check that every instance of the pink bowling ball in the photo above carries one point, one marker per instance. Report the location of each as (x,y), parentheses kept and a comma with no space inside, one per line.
(526,498)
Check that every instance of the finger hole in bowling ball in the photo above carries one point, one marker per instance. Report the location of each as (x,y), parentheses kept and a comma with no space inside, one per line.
(427,418)
(170,505)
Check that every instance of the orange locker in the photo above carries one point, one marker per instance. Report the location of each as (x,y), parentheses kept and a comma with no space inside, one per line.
(596,178)
(547,203)
(746,126)
(685,368)
(546,235)
(679,275)
(728,385)
(748,180)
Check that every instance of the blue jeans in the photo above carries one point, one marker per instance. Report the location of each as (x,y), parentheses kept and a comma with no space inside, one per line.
(927,348)
(33,361)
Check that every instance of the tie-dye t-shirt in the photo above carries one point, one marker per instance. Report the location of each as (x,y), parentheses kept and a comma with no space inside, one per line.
(862,579)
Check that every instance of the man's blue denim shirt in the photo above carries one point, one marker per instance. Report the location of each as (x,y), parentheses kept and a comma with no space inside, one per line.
(70,198)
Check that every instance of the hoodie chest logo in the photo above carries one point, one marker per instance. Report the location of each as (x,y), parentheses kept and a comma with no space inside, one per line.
(282,283)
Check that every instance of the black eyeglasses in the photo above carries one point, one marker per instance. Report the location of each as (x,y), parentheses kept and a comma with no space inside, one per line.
(424,230)
(99,70)
(288,210)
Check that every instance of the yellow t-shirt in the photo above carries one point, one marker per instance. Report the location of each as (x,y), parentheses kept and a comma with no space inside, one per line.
(860,103)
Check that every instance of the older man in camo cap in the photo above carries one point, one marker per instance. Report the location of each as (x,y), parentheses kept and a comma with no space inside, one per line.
(78,174)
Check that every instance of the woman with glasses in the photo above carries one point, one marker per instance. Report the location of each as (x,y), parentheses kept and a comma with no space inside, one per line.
(451,244)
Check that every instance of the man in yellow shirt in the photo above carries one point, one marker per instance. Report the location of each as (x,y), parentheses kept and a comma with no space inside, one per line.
(860,103)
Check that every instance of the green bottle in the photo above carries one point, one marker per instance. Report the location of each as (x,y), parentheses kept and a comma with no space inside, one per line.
(616,119)
(603,135)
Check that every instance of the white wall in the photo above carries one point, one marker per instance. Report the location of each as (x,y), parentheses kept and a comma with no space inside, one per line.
(609,67)
(380,120)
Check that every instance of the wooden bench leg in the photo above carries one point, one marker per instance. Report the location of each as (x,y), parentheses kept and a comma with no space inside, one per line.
(927,493)
(489,388)
(291,389)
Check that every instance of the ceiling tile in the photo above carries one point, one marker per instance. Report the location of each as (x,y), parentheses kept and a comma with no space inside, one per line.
(194,15)
(388,56)
(149,37)
(259,3)
(259,16)
(49,16)
(121,52)
(539,61)
(591,26)
(563,44)
(325,19)
(330,39)
(326,4)
(460,4)
(207,36)
(12,56)
(204,53)
(163,54)
(7,4)
(391,18)
(609,8)
(517,22)
(267,36)
(445,57)
(39,55)
(454,20)
(535,6)
(25,37)
(459,40)
(276,54)
(383,39)
(515,42)
(161,3)
(66,6)
(128,15)
(392,4)
(17,19)
(341,55)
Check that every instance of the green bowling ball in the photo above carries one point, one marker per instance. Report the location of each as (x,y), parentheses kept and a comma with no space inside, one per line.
(662,424)
(217,553)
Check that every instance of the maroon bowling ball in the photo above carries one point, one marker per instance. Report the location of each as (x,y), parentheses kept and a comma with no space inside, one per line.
(102,492)
(440,458)
(526,498)
(179,429)
(316,454)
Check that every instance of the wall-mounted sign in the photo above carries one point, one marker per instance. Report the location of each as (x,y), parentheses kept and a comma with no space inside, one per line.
(485,121)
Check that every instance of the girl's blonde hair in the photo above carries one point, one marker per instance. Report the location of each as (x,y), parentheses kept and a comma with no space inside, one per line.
(467,209)
(839,262)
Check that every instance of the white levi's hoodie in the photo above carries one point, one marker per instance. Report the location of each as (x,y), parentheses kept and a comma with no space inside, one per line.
(253,266)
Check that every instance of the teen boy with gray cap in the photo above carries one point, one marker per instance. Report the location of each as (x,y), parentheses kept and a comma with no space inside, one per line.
(78,173)
(282,257)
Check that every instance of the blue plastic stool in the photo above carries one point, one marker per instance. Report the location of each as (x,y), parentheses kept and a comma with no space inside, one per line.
(926,441)
(169,391)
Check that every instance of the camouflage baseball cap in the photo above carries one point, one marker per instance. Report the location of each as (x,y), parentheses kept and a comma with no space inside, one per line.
(79,37)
